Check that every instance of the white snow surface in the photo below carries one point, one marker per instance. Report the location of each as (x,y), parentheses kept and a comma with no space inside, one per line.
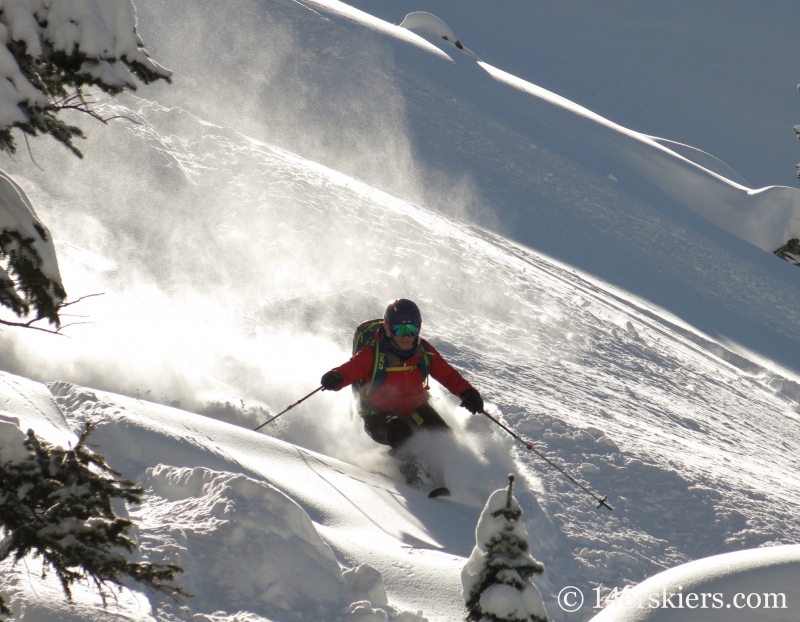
(766,218)
(241,232)
(432,29)
(508,603)
(428,26)
(489,526)
(757,584)
(227,520)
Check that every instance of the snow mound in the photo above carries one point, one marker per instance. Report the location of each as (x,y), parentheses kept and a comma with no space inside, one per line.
(755,584)
(432,29)
(27,404)
(253,543)
(246,546)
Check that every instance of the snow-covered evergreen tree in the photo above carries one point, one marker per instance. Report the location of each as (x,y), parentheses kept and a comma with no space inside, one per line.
(55,503)
(51,51)
(496,579)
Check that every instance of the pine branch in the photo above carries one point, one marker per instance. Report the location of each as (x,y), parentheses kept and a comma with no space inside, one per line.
(56,505)
(62,77)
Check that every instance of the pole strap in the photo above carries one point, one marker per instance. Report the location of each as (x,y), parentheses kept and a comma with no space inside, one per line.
(529,445)
(288,409)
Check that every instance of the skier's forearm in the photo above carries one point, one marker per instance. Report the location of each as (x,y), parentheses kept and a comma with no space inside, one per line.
(448,376)
(357,368)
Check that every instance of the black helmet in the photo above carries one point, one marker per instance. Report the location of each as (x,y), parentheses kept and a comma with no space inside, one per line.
(402,311)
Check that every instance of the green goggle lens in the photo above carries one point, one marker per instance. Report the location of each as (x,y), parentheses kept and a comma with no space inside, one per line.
(405,330)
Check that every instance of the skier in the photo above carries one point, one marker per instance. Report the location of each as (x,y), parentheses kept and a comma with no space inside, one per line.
(394,397)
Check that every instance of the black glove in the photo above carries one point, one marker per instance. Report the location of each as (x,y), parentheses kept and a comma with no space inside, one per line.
(331,380)
(472,401)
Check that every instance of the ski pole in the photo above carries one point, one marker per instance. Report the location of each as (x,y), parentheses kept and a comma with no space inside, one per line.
(601,500)
(288,409)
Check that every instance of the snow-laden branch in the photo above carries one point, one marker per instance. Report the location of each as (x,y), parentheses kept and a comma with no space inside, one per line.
(50,50)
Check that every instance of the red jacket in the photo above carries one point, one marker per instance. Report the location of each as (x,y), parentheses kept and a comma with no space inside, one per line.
(401,391)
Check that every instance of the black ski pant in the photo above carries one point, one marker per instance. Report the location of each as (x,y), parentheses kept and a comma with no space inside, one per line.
(392,430)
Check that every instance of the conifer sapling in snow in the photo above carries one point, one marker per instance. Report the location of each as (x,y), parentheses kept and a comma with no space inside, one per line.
(496,579)
(55,503)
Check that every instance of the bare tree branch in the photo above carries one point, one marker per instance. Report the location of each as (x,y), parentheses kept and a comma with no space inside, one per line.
(77,300)
(85,106)
(32,324)
(30,153)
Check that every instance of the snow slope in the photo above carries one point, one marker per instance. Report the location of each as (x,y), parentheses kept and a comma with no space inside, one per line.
(240,233)
(719,78)
(463,138)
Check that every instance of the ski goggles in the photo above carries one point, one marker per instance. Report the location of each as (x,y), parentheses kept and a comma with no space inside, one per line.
(404,330)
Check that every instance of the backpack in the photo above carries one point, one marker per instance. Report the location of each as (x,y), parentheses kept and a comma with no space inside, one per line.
(367,335)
